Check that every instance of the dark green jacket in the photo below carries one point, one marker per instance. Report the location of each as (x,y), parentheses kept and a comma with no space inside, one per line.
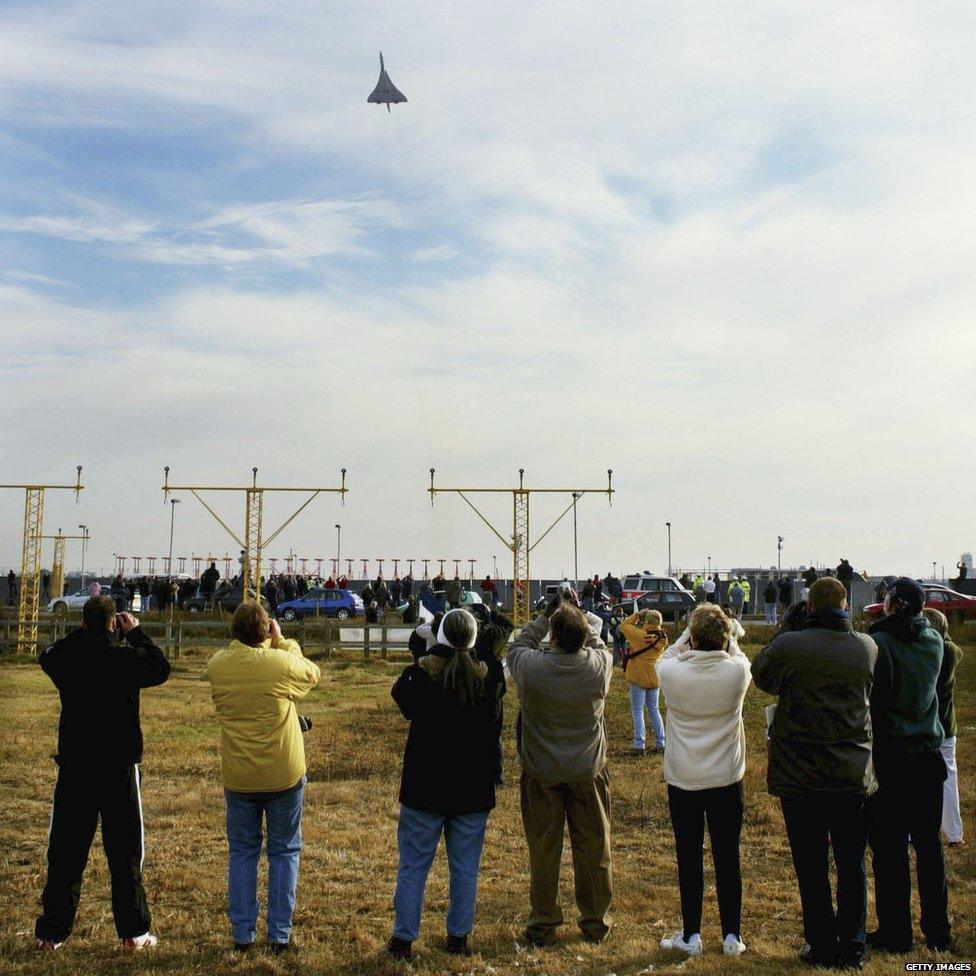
(904,699)
(820,736)
(947,686)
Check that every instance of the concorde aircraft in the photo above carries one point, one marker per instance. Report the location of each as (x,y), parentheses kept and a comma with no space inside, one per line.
(385,92)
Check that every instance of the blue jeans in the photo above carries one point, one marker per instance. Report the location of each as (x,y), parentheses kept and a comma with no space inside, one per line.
(770,613)
(641,698)
(417,836)
(283,812)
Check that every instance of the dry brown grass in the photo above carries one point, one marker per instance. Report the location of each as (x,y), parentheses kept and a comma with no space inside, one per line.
(349,863)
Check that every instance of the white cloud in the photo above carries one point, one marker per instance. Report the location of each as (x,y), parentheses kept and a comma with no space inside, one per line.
(284,232)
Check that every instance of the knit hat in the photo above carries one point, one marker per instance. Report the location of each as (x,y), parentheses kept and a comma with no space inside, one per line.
(907,596)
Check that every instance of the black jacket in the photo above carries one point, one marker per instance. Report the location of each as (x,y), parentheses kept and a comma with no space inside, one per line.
(99,683)
(450,763)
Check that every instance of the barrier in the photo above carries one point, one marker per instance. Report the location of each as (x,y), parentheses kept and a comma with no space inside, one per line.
(318,637)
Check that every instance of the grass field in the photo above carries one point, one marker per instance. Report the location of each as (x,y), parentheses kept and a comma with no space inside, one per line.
(343,916)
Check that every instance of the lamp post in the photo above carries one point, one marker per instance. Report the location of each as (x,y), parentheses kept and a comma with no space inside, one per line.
(779,554)
(338,529)
(84,542)
(173,502)
(576,496)
(668,524)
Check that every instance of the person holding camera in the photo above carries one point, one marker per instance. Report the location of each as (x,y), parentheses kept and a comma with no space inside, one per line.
(704,676)
(450,767)
(562,746)
(820,765)
(99,679)
(646,641)
(255,683)
(906,811)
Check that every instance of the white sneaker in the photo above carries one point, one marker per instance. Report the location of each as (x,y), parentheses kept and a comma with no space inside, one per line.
(47,945)
(146,941)
(693,947)
(732,945)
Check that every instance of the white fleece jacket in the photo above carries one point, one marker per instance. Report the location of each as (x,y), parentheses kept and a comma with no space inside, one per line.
(705,744)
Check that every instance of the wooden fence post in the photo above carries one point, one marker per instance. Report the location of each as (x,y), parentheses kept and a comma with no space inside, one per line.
(365,641)
(383,640)
(328,638)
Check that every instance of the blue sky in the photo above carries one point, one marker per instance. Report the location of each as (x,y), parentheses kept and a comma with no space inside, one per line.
(723,248)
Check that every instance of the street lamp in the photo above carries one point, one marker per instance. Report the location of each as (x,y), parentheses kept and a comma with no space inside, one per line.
(84,540)
(779,554)
(668,524)
(173,502)
(576,496)
(338,529)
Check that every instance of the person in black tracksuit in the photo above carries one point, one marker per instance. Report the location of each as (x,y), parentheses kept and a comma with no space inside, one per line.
(99,751)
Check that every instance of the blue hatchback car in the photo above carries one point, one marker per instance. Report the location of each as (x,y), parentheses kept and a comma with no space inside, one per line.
(323,603)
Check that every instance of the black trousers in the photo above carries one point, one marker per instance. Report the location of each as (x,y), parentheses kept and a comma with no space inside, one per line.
(907,809)
(815,824)
(721,809)
(81,796)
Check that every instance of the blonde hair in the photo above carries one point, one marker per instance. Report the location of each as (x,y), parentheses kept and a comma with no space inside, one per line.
(710,628)
(827,593)
(938,621)
(651,618)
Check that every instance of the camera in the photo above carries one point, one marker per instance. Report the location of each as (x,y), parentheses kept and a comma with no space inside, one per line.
(304,722)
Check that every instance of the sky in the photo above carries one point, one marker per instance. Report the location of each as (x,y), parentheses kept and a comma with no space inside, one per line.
(722,248)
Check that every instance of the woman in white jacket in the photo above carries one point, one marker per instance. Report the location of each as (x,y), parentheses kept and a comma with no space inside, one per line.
(704,677)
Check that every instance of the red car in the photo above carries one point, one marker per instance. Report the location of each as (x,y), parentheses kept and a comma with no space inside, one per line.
(956,606)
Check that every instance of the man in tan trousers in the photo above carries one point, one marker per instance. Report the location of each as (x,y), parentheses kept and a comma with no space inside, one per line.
(563,749)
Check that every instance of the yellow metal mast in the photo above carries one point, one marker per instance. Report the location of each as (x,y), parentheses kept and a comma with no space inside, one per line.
(254,541)
(57,564)
(520,543)
(29,604)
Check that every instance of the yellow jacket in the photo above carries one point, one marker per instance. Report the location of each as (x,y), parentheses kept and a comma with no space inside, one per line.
(254,690)
(640,670)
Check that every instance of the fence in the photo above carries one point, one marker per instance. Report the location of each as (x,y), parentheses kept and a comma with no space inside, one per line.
(317,637)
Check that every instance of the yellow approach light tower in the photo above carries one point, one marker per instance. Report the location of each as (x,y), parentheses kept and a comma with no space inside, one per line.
(254,541)
(57,564)
(520,543)
(30,565)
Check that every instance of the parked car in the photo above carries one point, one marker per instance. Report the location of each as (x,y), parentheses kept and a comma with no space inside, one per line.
(641,583)
(227,597)
(468,598)
(956,606)
(553,588)
(323,603)
(673,604)
(70,601)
